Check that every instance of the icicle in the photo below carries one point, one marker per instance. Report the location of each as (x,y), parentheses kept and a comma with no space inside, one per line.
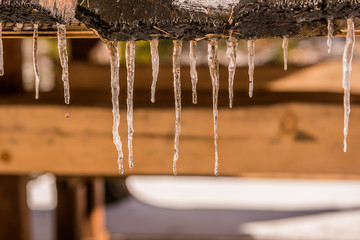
(193,72)
(231,46)
(330,29)
(64,60)
(347,59)
(154,43)
(115,90)
(177,93)
(130,67)
(35,59)
(18,27)
(251,56)
(1,52)
(214,73)
(285,51)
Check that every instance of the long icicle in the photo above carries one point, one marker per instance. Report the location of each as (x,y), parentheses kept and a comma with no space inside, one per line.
(285,45)
(193,72)
(1,52)
(130,67)
(214,73)
(251,63)
(330,29)
(231,46)
(154,43)
(35,60)
(115,91)
(347,59)
(177,93)
(64,60)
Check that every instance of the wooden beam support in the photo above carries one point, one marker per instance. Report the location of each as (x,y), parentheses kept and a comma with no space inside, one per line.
(80,210)
(14,212)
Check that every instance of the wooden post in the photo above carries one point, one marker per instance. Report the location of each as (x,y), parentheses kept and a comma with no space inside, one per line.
(80,211)
(14,212)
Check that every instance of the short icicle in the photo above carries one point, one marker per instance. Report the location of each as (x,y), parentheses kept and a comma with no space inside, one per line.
(115,91)
(214,74)
(1,52)
(285,45)
(177,93)
(231,46)
(64,60)
(35,59)
(347,59)
(154,43)
(193,72)
(330,29)
(251,63)
(130,67)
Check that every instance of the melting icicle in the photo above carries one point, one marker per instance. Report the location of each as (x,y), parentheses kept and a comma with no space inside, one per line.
(347,59)
(285,51)
(330,29)
(251,58)
(214,73)
(231,46)
(154,43)
(64,60)
(35,60)
(1,52)
(193,72)
(130,67)
(177,93)
(115,91)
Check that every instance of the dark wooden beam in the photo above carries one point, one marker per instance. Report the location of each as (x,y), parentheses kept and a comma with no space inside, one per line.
(80,210)
(192,19)
(14,212)
(180,19)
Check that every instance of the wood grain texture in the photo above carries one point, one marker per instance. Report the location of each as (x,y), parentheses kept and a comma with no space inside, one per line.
(291,139)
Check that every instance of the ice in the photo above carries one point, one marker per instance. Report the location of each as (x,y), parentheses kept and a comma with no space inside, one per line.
(231,46)
(285,51)
(347,59)
(330,29)
(18,27)
(115,91)
(193,72)
(154,43)
(177,93)
(130,67)
(214,73)
(251,57)
(64,60)
(1,52)
(35,60)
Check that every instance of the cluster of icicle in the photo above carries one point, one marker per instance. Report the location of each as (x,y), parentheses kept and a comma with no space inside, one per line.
(213,63)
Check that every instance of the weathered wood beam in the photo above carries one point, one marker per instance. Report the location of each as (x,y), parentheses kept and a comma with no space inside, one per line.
(192,19)
(146,19)
(38,11)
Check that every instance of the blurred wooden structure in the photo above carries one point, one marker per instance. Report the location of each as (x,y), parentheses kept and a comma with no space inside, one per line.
(279,133)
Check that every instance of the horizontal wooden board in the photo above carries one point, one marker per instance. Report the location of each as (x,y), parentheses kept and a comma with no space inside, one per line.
(285,139)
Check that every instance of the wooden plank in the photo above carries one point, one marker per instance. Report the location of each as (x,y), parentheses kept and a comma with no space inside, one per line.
(14,212)
(287,139)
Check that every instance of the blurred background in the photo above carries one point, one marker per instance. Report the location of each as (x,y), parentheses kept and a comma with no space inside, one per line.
(283,173)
